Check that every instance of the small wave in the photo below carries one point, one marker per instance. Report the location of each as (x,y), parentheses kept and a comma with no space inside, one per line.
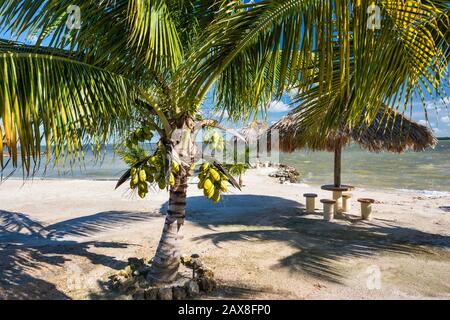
(430,193)
(300,184)
(429,166)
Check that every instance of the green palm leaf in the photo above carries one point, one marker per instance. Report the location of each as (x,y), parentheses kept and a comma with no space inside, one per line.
(325,50)
(60,102)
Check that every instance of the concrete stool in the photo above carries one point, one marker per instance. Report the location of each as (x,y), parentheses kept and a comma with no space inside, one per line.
(328,209)
(366,208)
(310,202)
(346,202)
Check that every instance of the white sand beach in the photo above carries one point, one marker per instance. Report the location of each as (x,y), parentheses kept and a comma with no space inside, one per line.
(61,239)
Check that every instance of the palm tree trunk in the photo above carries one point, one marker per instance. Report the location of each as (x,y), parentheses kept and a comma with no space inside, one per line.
(166,262)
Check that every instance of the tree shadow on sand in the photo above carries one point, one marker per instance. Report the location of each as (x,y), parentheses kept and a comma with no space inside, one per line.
(318,244)
(27,246)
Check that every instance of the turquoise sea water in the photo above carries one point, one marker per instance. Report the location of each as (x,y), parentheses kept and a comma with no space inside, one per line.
(429,170)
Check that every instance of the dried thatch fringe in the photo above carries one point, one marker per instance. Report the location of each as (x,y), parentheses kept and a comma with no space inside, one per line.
(390,131)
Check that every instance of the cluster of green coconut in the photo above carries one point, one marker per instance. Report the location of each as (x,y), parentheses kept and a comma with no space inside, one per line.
(140,135)
(152,173)
(212,181)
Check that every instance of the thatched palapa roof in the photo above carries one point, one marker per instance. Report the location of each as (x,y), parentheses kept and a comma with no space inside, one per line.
(253,131)
(390,131)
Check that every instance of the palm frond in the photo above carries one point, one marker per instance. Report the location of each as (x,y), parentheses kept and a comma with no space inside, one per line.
(60,102)
(154,31)
(326,51)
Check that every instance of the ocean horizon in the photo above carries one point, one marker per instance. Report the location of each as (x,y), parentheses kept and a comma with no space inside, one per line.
(427,171)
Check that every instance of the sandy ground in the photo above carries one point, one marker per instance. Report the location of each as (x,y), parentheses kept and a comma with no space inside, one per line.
(61,240)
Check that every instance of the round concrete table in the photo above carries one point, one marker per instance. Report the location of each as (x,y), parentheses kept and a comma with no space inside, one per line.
(337,194)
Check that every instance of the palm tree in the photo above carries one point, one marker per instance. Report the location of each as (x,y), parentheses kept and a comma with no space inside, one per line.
(147,65)
(121,77)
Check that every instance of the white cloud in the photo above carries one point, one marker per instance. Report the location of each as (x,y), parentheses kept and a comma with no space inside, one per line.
(437,115)
(278,107)
(218,114)
(437,130)
(437,104)
(423,122)
(445,119)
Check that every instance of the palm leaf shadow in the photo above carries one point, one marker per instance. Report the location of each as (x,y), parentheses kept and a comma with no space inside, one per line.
(27,245)
(319,245)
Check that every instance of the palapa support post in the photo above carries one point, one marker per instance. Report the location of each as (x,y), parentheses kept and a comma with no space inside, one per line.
(337,164)
(337,194)
(310,202)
